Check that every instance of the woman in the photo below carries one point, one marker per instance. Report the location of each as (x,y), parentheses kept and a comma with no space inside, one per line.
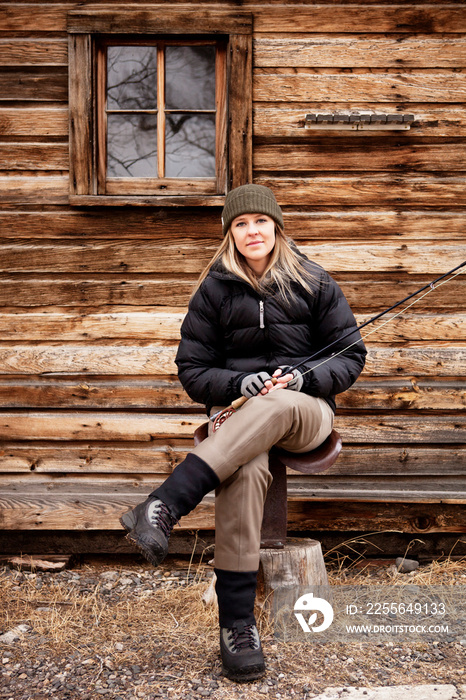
(259,307)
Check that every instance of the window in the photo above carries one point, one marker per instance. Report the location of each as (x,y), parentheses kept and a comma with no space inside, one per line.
(160,105)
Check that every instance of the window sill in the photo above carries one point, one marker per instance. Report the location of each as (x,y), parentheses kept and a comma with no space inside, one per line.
(85,200)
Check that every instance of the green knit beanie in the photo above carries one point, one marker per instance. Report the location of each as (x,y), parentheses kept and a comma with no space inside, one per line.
(250,199)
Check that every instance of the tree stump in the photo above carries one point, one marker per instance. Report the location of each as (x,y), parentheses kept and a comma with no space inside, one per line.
(300,563)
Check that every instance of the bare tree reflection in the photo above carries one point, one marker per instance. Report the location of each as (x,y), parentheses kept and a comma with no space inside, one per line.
(189,115)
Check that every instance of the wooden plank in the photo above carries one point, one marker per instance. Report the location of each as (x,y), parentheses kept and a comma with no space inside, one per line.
(162,393)
(376,86)
(360,51)
(38,121)
(163,325)
(300,488)
(412,394)
(385,154)
(145,427)
(33,85)
(379,257)
(48,17)
(362,18)
(34,156)
(358,191)
(380,190)
(92,292)
(162,225)
(33,52)
(81,124)
(355,460)
(369,295)
(384,489)
(240,110)
(422,361)
(101,511)
(429,225)
(185,256)
(436,121)
(34,190)
(348,515)
(151,324)
(120,393)
(418,19)
(149,19)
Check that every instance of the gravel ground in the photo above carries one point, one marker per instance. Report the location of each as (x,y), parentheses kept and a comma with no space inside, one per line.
(127,631)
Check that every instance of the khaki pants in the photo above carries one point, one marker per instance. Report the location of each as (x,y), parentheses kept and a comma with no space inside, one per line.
(238,453)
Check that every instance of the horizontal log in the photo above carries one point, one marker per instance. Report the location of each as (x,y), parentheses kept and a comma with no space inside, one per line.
(152,392)
(382,489)
(163,325)
(349,515)
(33,52)
(444,120)
(161,225)
(145,427)
(376,86)
(423,18)
(94,292)
(361,51)
(102,511)
(150,324)
(365,294)
(37,121)
(419,19)
(355,460)
(436,361)
(379,190)
(386,153)
(185,256)
(153,224)
(34,85)
(34,156)
(42,189)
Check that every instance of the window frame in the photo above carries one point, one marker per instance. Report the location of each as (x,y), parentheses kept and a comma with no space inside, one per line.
(87,26)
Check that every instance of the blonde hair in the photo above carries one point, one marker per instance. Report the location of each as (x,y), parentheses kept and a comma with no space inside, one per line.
(284,267)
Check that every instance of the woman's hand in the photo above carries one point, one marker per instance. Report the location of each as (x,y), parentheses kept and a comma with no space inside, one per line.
(292,380)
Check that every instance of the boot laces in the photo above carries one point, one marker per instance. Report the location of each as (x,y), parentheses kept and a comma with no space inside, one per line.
(161,517)
(242,638)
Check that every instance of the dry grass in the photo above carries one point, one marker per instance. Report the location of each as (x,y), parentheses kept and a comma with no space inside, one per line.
(170,631)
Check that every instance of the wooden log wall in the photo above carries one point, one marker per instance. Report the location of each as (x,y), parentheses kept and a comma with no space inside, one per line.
(91,413)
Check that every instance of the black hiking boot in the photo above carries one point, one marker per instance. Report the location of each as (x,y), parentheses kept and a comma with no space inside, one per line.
(149,525)
(241,652)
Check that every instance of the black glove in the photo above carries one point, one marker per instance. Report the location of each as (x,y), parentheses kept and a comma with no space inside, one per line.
(253,384)
(296,384)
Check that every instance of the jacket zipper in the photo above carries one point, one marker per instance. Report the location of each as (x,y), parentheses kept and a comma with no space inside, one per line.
(261,315)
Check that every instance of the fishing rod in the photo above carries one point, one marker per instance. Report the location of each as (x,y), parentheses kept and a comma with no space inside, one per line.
(221,416)
(430,286)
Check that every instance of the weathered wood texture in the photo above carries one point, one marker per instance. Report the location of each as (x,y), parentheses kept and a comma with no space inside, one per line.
(91,300)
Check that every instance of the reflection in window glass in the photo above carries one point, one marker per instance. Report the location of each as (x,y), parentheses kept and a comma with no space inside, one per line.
(132,77)
(132,145)
(190,77)
(190,145)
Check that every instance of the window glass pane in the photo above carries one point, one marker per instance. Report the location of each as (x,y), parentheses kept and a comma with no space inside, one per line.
(132,145)
(190,77)
(132,77)
(190,145)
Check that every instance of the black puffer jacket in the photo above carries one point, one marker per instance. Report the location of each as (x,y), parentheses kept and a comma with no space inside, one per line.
(231,331)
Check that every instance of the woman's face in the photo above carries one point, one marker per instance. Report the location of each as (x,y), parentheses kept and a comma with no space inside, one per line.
(254,236)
